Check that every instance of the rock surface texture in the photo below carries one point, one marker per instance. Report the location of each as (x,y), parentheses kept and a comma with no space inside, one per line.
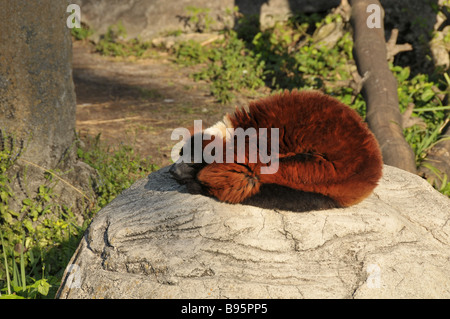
(157,241)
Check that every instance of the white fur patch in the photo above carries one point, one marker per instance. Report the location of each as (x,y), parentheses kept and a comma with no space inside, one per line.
(221,127)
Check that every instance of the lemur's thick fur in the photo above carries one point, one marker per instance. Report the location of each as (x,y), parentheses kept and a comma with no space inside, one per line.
(324,147)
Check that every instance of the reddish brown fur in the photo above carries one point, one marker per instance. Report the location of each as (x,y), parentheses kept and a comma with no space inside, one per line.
(324,147)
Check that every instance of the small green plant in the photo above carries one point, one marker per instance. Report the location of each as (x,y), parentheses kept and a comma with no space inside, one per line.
(191,53)
(229,65)
(293,60)
(37,234)
(16,283)
(199,19)
(38,240)
(283,56)
(442,177)
(114,43)
(427,97)
(174,33)
(82,33)
(117,168)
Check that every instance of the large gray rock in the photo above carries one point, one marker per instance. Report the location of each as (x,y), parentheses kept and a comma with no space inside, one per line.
(157,241)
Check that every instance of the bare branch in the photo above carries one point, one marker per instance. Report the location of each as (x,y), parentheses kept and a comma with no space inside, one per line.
(393,48)
(380,88)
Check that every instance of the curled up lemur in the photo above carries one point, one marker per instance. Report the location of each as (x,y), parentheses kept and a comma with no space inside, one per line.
(326,156)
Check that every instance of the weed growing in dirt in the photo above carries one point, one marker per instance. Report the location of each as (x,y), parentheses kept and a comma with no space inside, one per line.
(37,240)
(114,43)
(117,168)
(231,67)
(425,95)
(199,19)
(82,33)
(284,56)
(191,53)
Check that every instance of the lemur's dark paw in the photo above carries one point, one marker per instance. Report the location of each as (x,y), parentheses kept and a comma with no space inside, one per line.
(186,174)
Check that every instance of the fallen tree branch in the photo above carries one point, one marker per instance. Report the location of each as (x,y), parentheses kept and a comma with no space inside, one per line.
(380,88)
(393,48)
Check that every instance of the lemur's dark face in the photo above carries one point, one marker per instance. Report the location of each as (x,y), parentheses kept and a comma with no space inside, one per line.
(186,172)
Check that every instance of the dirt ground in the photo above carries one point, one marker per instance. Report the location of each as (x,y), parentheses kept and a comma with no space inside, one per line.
(140,102)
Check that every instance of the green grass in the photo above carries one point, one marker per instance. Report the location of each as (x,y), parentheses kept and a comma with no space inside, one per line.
(114,43)
(117,168)
(38,241)
(427,94)
(199,18)
(82,33)
(281,57)
(231,67)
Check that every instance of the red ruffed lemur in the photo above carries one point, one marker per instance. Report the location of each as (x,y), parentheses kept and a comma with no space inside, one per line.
(325,154)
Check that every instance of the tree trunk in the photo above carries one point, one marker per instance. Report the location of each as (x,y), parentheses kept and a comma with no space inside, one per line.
(37,97)
(380,88)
